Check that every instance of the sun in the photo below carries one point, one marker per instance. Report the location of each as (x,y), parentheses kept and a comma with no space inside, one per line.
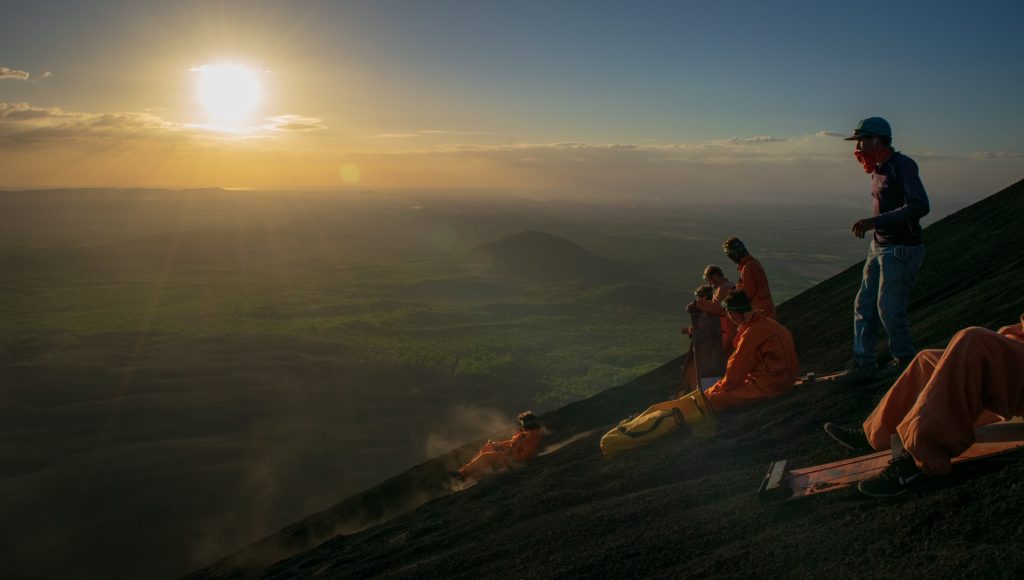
(228,92)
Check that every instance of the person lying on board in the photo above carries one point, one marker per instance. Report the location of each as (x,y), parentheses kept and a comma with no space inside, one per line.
(497,456)
(764,365)
(937,402)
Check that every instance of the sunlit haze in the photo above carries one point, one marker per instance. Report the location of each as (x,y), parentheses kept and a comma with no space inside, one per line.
(661,100)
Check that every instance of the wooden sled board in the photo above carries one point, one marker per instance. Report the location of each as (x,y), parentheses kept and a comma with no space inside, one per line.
(782,484)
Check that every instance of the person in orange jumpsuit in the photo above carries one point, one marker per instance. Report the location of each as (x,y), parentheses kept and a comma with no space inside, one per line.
(937,402)
(716,277)
(752,280)
(764,363)
(501,455)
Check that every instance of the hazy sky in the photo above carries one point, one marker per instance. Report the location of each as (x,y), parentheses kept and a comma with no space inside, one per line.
(656,99)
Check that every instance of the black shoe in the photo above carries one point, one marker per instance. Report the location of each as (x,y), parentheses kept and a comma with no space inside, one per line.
(898,477)
(457,476)
(853,439)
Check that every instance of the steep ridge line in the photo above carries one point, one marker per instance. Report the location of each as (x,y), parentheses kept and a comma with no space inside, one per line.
(686,506)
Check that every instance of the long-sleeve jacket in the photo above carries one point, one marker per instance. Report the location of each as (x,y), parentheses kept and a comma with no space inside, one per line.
(522,446)
(764,359)
(754,283)
(899,202)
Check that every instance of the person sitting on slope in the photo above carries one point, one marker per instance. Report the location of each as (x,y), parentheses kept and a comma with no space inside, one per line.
(497,456)
(937,402)
(764,365)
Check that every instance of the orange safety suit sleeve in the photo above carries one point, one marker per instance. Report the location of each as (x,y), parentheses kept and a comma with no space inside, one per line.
(740,363)
(525,444)
(754,282)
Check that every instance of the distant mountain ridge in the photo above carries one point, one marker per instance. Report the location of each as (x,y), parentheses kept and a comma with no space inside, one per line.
(686,506)
(545,257)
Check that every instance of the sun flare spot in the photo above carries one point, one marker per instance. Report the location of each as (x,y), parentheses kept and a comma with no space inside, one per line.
(350,173)
(228,92)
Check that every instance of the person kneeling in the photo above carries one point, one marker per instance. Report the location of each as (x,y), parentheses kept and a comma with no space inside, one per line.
(497,456)
(764,365)
(937,402)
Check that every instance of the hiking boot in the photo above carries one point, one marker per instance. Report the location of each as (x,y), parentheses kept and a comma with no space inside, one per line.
(851,438)
(898,477)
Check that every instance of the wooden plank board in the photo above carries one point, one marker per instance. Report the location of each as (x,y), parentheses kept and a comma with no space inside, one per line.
(784,484)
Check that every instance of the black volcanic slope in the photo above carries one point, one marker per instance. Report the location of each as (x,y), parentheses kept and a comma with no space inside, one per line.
(686,506)
(543,257)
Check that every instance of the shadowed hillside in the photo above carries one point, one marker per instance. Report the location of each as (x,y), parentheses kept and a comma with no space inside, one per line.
(539,256)
(686,506)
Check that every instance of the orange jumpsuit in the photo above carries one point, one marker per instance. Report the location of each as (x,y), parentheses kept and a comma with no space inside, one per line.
(714,307)
(763,365)
(944,394)
(500,455)
(754,282)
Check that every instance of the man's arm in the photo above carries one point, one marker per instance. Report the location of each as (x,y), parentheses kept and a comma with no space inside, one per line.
(740,363)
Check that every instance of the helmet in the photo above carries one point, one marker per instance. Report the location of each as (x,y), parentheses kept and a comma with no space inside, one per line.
(738,301)
(707,292)
(734,249)
(528,420)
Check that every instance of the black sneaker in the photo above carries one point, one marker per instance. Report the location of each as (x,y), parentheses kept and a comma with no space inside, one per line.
(851,438)
(897,478)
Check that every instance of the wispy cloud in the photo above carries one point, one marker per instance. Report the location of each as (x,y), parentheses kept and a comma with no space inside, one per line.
(743,141)
(835,134)
(21,75)
(294,123)
(426,132)
(979,155)
(10,73)
(23,124)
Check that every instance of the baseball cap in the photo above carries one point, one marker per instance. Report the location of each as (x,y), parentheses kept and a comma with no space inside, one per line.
(871,127)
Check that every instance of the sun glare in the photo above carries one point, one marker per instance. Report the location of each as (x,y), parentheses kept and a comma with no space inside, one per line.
(228,92)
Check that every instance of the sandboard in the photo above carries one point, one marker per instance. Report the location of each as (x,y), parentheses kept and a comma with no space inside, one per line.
(783,484)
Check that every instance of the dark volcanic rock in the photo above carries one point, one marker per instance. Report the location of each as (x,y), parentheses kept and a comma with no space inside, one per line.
(686,506)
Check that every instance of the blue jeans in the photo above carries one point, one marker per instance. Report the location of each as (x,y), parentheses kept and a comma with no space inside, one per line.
(889,274)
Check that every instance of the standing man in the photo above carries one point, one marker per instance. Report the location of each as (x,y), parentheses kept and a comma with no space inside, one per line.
(896,251)
(753,281)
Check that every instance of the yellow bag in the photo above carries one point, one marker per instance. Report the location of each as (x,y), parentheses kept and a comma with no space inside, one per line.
(657,421)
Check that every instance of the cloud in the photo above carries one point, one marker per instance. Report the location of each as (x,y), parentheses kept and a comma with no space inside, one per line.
(397,136)
(443,132)
(835,134)
(10,73)
(742,141)
(294,123)
(23,124)
(981,155)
